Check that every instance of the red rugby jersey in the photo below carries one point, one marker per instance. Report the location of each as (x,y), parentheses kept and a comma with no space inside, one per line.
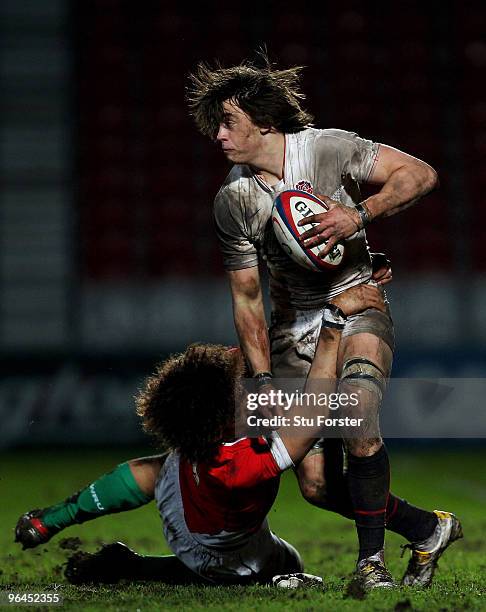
(234,491)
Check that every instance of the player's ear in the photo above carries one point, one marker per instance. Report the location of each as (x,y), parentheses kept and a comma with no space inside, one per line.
(267,130)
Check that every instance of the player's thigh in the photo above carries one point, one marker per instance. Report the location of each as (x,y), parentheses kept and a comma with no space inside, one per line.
(369,337)
(365,347)
(293,339)
(364,364)
(146,471)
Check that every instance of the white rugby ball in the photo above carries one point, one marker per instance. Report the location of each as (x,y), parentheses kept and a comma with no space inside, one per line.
(288,209)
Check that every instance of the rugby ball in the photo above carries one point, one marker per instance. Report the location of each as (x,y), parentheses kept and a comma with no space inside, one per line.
(288,209)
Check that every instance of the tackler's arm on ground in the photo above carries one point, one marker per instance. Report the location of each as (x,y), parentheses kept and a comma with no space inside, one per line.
(404,179)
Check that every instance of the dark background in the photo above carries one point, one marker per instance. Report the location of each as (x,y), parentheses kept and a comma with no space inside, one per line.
(407,75)
(108,259)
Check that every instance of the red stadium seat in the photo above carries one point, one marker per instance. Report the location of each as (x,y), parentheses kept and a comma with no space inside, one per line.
(147,178)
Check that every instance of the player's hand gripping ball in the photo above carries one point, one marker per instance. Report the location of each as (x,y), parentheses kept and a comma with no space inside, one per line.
(288,209)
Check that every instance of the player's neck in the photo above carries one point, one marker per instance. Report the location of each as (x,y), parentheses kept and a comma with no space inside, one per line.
(269,163)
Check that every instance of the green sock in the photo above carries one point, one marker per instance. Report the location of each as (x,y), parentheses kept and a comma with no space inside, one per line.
(113,492)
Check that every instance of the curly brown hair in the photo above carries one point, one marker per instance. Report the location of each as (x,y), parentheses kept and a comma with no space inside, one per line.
(271,98)
(188,404)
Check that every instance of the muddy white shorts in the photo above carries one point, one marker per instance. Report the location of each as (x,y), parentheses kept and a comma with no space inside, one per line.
(294,335)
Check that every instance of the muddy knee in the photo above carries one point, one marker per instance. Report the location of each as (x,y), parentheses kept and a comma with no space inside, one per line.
(365,379)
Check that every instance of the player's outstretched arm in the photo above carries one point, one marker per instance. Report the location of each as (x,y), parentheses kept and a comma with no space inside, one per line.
(249,316)
(322,375)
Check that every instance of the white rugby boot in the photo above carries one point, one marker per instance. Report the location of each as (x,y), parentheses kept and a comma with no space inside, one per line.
(426,554)
(297,581)
(372,573)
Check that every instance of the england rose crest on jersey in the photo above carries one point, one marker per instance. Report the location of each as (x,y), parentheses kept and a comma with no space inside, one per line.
(305,186)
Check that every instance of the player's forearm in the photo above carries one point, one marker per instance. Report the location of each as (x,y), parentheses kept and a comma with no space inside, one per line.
(321,380)
(324,364)
(322,376)
(251,327)
(404,187)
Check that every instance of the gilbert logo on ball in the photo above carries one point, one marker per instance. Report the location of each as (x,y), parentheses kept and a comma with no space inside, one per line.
(288,209)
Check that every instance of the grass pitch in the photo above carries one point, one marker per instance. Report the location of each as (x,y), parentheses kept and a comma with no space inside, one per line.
(453,480)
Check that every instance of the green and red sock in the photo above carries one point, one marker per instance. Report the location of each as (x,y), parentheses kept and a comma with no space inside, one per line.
(113,492)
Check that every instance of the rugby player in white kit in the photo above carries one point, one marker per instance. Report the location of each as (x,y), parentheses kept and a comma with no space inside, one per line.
(256,117)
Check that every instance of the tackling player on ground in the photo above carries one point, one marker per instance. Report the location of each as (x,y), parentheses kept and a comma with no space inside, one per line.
(213,491)
(256,117)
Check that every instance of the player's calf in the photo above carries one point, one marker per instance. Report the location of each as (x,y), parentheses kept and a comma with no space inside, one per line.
(116,491)
(311,476)
(368,474)
(111,563)
(116,561)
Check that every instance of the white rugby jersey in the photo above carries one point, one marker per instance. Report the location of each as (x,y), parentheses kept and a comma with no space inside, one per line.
(328,162)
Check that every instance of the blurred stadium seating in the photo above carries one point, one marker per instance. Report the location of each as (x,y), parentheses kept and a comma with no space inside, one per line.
(411,83)
(107,245)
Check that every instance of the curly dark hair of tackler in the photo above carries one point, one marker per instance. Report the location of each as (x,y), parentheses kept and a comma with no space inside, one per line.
(188,404)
